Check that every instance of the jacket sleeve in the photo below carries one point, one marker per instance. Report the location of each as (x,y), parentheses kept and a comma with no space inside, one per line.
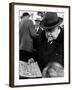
(32,30)
(20,32)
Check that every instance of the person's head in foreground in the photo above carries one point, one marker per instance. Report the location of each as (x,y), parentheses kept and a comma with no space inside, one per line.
(51,24)
(53,69)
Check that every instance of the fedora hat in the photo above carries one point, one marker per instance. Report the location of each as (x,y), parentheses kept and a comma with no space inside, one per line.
(51,20)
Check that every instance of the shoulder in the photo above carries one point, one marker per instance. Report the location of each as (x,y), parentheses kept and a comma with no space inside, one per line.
(62,30)
(29,21)
(60,37)
(62,34)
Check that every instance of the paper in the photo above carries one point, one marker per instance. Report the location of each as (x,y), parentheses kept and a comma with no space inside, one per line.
(29,70)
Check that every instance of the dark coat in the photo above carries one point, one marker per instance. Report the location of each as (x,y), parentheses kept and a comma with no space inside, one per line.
(26,33)
(51,52)
(36,39)
(39,30)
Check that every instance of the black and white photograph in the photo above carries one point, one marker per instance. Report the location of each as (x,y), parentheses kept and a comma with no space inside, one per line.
(41,44)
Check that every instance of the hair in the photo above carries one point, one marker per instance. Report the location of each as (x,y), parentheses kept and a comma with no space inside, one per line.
(25,14)
(53,65)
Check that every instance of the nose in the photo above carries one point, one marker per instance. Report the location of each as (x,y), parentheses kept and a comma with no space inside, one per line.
(49,34)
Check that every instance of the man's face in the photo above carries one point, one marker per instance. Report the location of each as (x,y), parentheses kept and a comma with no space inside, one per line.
(52,34)
(37,23)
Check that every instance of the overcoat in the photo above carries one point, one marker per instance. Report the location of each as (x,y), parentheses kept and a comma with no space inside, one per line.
(51,52)
(26,32)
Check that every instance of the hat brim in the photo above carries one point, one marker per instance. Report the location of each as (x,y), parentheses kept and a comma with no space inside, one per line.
(60,20)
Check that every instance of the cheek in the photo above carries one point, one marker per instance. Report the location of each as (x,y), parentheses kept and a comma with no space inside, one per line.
(46,34)
(53,35)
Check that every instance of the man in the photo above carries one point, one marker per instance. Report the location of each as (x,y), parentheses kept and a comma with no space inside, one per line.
(51,42)
(26,32)
(38,29)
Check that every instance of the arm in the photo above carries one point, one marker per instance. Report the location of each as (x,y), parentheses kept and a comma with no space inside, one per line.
(32,30)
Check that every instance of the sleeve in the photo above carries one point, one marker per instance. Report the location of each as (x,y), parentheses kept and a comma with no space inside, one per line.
(20,32)
(32,30)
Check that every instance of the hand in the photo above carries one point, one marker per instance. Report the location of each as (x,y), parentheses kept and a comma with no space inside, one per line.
(31,60)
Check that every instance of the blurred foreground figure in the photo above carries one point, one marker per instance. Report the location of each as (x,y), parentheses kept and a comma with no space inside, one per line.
(51,43)
(53,70)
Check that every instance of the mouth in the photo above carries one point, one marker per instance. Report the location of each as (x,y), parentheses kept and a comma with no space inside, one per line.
(50,38)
